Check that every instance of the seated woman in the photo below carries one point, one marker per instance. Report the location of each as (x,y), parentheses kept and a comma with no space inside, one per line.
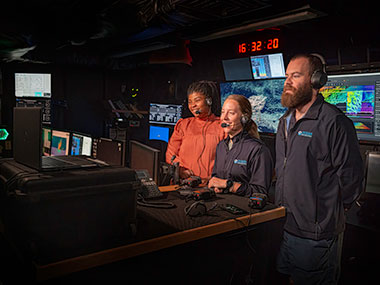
(243,164)
(194,140)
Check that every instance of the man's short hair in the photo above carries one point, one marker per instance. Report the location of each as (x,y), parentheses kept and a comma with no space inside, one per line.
(315,63)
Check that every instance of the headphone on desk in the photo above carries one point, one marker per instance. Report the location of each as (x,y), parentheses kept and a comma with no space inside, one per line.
(198,209)
(319,77)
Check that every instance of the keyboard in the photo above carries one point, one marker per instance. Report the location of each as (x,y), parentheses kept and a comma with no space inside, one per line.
(48,161)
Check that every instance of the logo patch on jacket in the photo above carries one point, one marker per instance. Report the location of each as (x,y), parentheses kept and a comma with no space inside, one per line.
(240,161)
(305,134)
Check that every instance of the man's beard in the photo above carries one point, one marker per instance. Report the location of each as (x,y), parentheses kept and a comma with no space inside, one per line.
(299,98)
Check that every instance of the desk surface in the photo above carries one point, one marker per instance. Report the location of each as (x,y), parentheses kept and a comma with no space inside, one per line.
(174,238)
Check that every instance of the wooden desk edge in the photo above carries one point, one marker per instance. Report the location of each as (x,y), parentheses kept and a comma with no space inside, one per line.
(44,272)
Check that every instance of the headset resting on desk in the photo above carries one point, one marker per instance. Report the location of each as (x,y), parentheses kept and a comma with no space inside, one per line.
(163,205)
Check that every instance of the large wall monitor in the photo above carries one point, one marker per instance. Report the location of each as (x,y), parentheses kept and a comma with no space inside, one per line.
(265,97)
(358,96)
(167,114)
(36,85)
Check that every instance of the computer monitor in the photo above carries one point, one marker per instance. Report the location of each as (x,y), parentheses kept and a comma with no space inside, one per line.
(60,142)
(167,114)
(265,98)
(81,144)
(268,66)
(33,85)
(109,151)
(237,69)
(46,141)
(358,96)
(144,157)
(159,133)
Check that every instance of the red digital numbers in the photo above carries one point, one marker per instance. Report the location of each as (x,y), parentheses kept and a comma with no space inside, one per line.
(242,48)
(272,43)
(256,46)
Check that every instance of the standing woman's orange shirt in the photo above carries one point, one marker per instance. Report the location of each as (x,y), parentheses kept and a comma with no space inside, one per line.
(194,142)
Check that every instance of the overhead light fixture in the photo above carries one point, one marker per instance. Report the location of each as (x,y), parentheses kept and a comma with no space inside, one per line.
(301,14)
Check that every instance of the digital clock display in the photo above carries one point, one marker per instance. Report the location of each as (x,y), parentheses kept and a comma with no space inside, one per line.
(256,46)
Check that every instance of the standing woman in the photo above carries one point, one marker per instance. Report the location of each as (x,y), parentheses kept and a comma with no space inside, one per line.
(243,164)
(194,140)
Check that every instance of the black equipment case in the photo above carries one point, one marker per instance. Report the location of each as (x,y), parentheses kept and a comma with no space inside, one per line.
(50,216)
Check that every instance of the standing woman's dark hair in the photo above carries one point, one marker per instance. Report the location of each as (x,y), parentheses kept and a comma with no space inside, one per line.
(210,90)
(245,106)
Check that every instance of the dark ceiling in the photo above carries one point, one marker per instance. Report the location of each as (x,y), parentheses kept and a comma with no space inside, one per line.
(56,30)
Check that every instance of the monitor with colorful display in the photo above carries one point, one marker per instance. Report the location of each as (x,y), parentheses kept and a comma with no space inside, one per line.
(60,141)
(268,66)
(46,141)
(358,96)
(81,144)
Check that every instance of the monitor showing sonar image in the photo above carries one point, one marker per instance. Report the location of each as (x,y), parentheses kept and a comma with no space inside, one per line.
(265,98)
(355,101)
(60,143)
(356,96)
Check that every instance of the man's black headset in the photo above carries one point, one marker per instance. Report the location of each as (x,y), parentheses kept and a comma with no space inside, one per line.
(319,77)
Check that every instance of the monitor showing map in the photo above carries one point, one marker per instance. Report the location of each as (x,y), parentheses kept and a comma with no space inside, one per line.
(265,98)
(358,96)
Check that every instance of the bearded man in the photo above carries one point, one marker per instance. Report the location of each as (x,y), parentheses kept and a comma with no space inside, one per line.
(319,175)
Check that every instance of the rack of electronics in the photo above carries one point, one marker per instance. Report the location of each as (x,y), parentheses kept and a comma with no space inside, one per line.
(162,119)
(34,90)
(261,79)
